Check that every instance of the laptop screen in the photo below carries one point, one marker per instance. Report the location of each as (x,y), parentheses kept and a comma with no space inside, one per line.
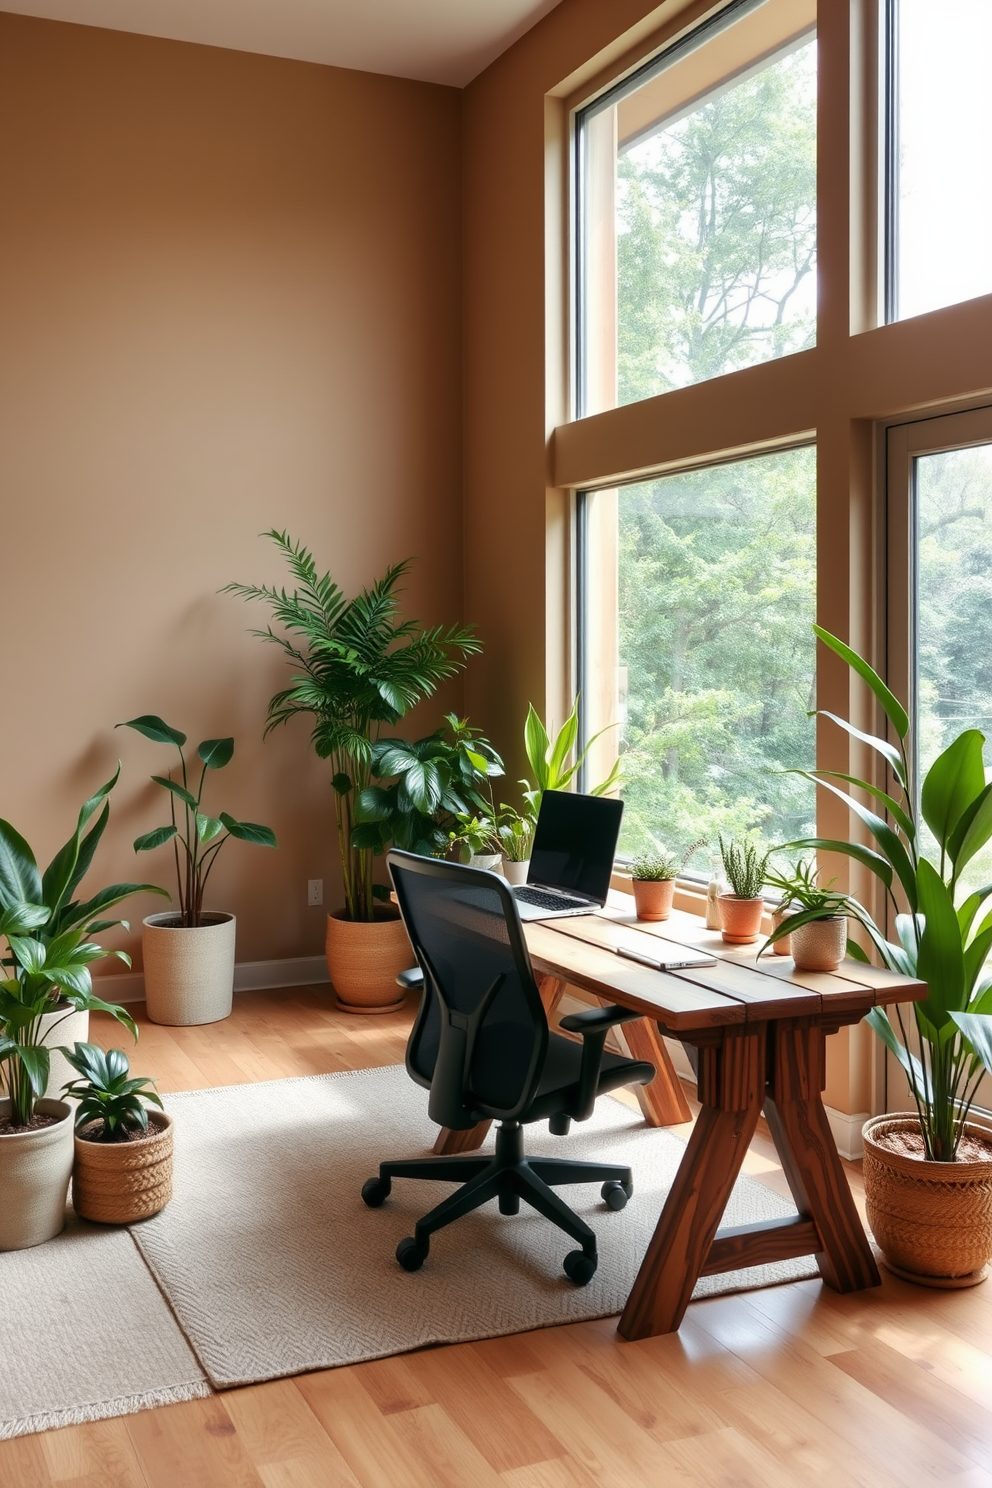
(575,843)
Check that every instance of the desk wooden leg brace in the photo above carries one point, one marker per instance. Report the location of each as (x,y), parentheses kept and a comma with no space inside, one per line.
(662,1103)
(778,1065)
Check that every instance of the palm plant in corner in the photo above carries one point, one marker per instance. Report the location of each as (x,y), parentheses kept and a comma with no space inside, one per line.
(358,669)
(928,1174)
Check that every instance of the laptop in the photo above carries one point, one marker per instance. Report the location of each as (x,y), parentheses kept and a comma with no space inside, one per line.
(571,861)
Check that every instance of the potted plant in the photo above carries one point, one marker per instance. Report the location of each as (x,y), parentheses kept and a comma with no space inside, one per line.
(653,876)
(475,840)
(516,835)
(819,941)
(358,668)
(928,1173)
(123,1152)
(742,908)
(189,956)
(47,983)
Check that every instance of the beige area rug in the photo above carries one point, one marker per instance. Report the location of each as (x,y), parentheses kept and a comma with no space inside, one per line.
(85,1333)
(272,1264)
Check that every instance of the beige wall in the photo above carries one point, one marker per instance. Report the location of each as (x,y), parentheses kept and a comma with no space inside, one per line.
(229,300)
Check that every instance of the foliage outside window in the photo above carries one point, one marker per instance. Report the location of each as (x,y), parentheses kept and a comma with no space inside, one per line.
(712,263)
(714,661)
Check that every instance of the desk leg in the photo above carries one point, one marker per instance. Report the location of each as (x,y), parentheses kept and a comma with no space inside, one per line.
(798,1123)
(663,1102)
(450,1142)
(731,1089)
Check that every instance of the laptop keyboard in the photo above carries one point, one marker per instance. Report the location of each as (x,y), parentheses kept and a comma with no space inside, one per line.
(542,900)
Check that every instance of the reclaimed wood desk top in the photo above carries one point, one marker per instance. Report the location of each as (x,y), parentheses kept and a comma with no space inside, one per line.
(737,989)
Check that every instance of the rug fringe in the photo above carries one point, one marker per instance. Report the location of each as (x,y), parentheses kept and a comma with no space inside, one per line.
(102,1410)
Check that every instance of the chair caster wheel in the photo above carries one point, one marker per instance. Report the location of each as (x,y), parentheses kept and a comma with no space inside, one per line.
(509,1203)
(410,1255)
(614,1194)
(580,1267)
(375,1191)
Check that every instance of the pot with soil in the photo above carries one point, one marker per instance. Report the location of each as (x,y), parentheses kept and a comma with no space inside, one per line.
(189,969)
(364,958)
(122,1170)
(931,1220)
(742,909)
(35,1165)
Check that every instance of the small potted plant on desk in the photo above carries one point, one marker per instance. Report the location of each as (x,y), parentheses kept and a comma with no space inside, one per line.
(928,1172)
(475,840)
(46,988)
(189,956)
(653,876)
(816,931)
(122,1170)
(742,908)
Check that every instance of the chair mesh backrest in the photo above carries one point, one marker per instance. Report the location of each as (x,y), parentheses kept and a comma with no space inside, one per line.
(465,930)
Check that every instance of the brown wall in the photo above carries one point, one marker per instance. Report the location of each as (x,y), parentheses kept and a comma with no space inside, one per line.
(229,300)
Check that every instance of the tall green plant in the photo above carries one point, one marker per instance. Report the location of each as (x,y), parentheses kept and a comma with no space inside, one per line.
(358,670)
(942,936)
(49,947)
(554,763)
(201,836)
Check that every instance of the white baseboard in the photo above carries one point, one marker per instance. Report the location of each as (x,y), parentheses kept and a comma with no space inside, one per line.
(249,976)
(846,1131)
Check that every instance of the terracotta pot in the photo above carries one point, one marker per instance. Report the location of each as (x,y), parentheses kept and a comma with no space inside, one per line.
(931,1220)
(122,1182)
(34,1178)
(782,947)
(653,897)
(189,972)
(364,958)
(741,919)
(516,873)
(820,945)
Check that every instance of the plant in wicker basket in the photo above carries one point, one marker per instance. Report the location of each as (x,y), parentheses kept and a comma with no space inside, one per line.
(123,1164)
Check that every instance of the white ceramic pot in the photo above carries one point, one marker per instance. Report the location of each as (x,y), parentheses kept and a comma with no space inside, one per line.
(492,862)
(35,1167)
(516,873)
(66,1025)
(820,945)
(189,972)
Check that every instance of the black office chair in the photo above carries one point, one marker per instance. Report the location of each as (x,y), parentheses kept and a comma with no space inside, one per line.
(482,1047)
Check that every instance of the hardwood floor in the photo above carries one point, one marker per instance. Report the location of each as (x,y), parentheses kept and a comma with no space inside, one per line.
(789,1386)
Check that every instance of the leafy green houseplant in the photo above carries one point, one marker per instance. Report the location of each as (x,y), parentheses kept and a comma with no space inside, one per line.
(47,983)
(358,668)
(123,1154)
(189,956)
(199,835)
(943,936)
(742,908)
(653,876)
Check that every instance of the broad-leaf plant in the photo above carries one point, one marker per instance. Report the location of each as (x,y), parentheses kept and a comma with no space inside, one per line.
(358,668)
(943,933)
(50,948)
(107,1093)
(199,835)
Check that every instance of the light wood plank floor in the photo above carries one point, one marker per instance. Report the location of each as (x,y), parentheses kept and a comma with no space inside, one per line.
(789,1386)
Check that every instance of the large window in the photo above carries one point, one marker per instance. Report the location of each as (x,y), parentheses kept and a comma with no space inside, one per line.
(939,155)
(699,600)
(697,209)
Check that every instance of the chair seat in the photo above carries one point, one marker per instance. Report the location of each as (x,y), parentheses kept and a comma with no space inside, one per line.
(558,1090)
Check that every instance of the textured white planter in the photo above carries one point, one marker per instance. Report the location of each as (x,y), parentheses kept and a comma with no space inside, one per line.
(820,945)
(516,873)
(189,973)
(35,1167)
(73,1028)
(492,862)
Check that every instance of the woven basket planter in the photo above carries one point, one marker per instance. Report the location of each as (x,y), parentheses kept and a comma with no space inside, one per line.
(653,897)
(931,1220)
(122,1182)
(34,1178)
(364,958)
(189,972)
(820,945)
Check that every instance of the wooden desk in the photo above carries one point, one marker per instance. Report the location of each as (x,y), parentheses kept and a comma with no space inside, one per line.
(759,1031)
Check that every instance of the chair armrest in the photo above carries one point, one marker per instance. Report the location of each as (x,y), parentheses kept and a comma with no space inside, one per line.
(593,1020)
(411,980)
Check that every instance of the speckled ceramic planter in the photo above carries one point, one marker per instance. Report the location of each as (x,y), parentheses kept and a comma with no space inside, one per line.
(189,972)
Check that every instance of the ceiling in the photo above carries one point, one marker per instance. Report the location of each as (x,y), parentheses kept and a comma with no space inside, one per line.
(436,41)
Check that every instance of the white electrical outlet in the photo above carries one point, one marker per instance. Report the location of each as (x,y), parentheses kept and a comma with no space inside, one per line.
(315,891)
